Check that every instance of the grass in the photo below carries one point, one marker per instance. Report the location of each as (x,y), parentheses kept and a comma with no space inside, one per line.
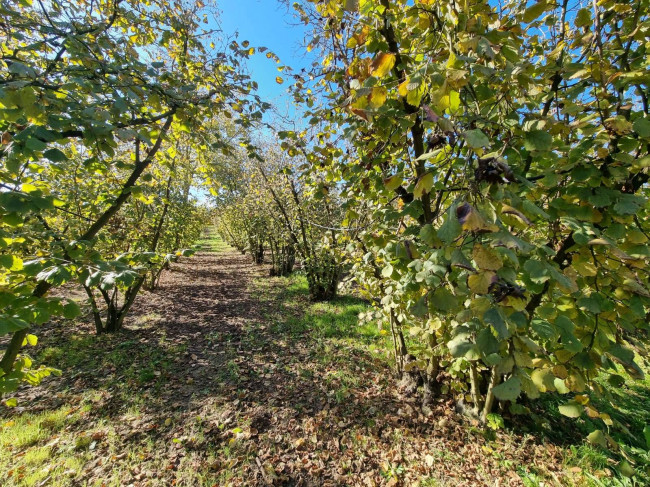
(630,411)
(337,319)
(335,324)
(212,242)
(117,379)
(36,436)
(116,407)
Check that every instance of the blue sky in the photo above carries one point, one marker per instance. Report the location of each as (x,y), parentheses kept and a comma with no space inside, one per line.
(267,23)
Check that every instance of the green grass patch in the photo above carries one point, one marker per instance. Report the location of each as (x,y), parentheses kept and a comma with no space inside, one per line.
(336,319)
(211,241)
(628,407)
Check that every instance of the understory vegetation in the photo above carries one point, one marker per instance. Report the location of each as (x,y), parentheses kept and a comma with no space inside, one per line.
(137,408)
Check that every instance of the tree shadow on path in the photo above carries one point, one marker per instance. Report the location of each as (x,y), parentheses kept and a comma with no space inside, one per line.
(220,380)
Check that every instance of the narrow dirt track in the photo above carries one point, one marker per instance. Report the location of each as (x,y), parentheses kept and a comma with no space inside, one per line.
(205,293)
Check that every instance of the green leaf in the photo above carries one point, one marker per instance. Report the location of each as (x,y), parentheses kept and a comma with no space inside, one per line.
(538,140)
(462,346)
(642,127)
(583,17)
(626,357)
(543,329)
(508,390)
(11,402)
(571,409)
(589,303)
(597,437)
(486,342)
(537,271)
(10,324)
(494,318)
(569,340)
(420,307)
(476,139)
(451,227)
(35,144)
(626,469)
(55,155)
(533,209)
(428,234)
(646,433)
(21,69)
(534,11)
(443,300)
(55,275)
(71,310)
(629,204)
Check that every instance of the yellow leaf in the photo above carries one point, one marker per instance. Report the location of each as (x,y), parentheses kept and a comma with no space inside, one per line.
(636,237)
(423,185)
(582,399)
(434,324)
(518,304)
(15,264)
(382,64)
(585,268)
(486,258)
(393,182)
(607,419)
(450,102)
(377,97)
(480,283)
(452,61)
(509,210)
(522,359)
(279,80)
(560,371)
(351,5)
(414,97)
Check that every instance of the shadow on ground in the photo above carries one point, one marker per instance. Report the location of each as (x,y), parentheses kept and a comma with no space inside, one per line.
(226,377)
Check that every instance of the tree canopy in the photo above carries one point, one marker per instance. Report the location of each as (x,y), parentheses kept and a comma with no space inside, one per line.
(479,171)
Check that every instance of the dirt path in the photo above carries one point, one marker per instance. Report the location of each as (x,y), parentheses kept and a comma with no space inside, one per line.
(219,379)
